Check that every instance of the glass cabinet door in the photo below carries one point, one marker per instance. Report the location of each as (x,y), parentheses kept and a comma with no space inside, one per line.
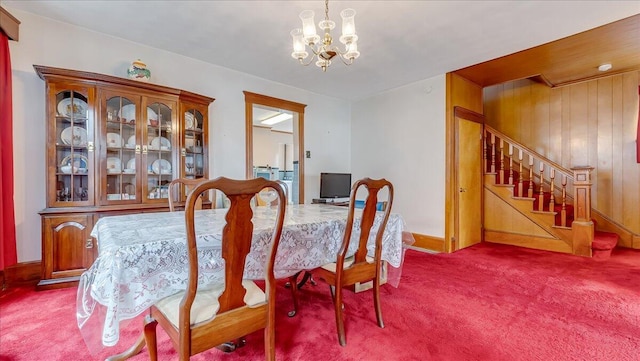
(194,163)
(121,147)
(159,150)
(72,160)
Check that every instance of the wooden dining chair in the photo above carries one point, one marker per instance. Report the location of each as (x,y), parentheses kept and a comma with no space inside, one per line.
(347,271)
(198,319)
(175,191)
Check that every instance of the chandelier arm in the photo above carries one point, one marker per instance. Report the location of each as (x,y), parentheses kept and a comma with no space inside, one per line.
(315,51)
(310,59)
(344,60)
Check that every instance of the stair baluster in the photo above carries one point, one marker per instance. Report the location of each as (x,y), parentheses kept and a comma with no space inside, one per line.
(493,153)
(520,184)
(541,194)
(501,161)
(530,190)
(552,200)
(485,155)
(510,164)
(563,213)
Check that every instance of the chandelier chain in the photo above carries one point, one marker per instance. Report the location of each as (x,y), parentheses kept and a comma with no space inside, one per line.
(326,10)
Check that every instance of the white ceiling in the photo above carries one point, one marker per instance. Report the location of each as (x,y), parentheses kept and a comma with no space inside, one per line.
(400,41)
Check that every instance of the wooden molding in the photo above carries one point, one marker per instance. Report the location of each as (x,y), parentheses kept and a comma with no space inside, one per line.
(9,24)
(467,114)
(568,60)
(48,72)
(428,242)
(25,273)
(527,241)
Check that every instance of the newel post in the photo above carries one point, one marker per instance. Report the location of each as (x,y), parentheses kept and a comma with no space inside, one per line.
(582,225)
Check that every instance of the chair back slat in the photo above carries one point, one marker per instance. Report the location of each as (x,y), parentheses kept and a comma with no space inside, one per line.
(236,244)
(237,235)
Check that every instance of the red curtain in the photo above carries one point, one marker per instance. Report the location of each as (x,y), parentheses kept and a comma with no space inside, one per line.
(8,255)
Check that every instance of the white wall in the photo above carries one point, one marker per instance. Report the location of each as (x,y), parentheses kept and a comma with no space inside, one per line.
(400,135)
(51,43)
(268,148)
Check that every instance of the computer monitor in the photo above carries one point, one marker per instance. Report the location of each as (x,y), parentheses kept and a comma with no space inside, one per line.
(335,185)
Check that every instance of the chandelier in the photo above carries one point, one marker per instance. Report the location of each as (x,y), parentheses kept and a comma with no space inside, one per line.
(325,51)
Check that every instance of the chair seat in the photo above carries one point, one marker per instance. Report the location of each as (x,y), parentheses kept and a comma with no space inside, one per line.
(205,306)
(331,267)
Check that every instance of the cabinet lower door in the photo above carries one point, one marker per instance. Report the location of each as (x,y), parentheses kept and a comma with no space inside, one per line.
(67,249)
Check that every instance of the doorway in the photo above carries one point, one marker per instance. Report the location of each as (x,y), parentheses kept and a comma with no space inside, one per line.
(274,142)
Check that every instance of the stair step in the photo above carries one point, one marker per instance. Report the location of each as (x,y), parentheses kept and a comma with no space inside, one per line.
(604,240)
(603,243)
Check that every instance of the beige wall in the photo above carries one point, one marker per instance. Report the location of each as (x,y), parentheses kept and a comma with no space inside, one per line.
(591,123)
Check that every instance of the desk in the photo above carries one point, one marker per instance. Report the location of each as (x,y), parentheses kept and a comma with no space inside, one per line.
(142,258)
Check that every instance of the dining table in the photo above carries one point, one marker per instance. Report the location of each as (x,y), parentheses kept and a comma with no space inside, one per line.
(142,258)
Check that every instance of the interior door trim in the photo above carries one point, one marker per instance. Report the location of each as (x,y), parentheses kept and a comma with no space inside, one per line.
(252,98)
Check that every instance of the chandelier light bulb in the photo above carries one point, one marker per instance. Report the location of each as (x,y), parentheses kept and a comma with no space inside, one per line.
(348,26)
(309,27)
(298,44)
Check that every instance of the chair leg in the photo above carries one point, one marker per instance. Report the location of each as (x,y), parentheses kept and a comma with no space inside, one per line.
(269,343)
(294,294)
(150,337)
(376,301)
(337,301)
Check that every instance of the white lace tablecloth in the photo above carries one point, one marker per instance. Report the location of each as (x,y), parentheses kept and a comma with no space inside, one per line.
(143,258)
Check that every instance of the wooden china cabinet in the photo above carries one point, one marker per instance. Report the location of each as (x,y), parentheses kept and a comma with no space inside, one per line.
(113,147)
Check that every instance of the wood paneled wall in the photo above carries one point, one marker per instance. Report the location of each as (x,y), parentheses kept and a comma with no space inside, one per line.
(590,123)
(466,94)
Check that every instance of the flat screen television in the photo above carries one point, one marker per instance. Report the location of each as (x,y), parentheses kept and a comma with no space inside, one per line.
(335,185)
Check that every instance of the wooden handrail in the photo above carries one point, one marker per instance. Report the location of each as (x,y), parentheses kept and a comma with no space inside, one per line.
(530,151)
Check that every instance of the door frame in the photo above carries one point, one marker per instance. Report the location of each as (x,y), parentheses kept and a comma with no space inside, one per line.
(251,99)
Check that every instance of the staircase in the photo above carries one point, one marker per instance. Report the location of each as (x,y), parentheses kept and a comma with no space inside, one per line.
(535,199)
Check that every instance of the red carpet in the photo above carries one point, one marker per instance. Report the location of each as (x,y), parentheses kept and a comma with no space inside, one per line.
(488,302)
